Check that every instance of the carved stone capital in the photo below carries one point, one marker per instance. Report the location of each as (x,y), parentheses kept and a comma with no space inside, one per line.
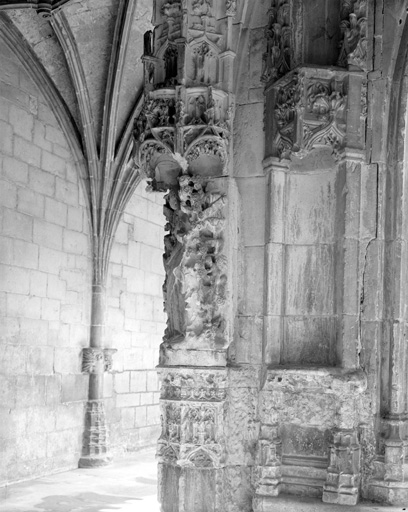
(97,360)
(310,108)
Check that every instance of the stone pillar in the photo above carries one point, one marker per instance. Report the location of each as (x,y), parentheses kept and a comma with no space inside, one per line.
(343,474)
(96,360)
(269,466)
(183,146)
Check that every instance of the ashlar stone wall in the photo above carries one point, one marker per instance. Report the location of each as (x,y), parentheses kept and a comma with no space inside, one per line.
(45,291)
(45,273)
(136,320)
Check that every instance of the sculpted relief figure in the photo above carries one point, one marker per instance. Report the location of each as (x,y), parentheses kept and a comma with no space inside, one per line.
(195,285)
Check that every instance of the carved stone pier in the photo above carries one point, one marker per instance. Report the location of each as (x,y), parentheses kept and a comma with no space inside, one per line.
(183,147)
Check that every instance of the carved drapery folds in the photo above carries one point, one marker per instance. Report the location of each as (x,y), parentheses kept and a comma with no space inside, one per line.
(353,49)
(278,33)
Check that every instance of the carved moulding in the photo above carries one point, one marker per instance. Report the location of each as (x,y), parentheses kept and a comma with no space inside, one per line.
(278,33)
(183,384)
(310,108)
(353,47)
(322,400)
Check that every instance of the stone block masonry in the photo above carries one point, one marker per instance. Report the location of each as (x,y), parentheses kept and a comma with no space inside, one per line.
(136,321)
(45,275)
(45,297)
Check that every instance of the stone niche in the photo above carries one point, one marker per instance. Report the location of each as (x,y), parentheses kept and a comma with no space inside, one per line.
(309,168)
(314,397)
(307,254)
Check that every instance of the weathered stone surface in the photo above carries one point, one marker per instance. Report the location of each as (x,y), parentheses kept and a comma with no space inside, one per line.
(284,359)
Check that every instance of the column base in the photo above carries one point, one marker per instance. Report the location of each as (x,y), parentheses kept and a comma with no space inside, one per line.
(391,493)
(94,461)
(341,498)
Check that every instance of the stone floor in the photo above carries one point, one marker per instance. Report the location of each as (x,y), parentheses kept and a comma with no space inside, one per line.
(127,485)
(297,504)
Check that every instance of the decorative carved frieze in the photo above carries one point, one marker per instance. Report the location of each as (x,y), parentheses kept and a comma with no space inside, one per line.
(97,360)
(188,427)
(353,50)
(277,58)
(204,385)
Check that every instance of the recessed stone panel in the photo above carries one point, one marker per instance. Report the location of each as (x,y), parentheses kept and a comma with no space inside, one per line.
(309,341)
(310,280)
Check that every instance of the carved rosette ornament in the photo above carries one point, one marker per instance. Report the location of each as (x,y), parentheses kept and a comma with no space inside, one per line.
(182,146)
(353,49)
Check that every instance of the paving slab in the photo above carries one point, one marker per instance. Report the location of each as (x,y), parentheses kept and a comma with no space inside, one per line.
(127,485)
